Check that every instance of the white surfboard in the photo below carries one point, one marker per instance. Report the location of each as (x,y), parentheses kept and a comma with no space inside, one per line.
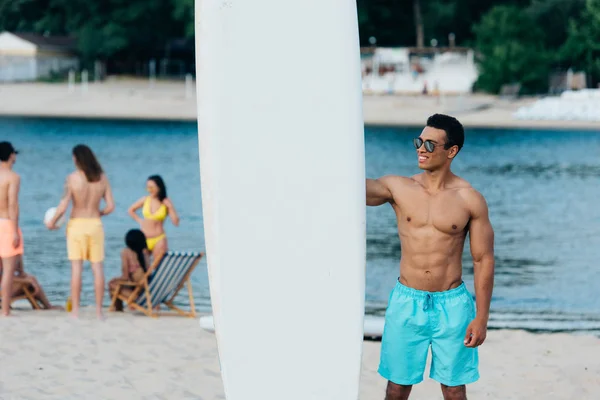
(283,193)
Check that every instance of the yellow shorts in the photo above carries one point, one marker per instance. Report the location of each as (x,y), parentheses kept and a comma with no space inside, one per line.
(151,242)
(85,239)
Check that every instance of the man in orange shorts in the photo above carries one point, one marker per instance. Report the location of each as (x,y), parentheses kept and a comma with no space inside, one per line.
(11,238)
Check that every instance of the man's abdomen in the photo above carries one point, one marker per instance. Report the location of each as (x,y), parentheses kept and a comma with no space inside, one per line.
(431,262)
(433,273)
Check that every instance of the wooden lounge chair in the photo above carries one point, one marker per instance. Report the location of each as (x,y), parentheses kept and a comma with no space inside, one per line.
(160,285)
(28,295)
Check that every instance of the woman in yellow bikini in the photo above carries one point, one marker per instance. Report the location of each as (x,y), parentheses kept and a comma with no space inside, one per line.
(155,209)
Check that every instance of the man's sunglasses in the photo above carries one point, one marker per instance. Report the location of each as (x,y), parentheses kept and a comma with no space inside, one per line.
(429,145)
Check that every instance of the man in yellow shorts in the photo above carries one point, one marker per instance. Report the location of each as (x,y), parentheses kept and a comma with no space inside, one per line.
(11,238)
(86,187)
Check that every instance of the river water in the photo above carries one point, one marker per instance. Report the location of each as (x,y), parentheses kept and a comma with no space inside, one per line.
(541,188)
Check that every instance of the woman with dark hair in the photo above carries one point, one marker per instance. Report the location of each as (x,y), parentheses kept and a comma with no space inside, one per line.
(85,189)
(134,261)
(86,161)
(155,209)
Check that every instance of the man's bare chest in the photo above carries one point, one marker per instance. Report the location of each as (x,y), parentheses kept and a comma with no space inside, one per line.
(444,212)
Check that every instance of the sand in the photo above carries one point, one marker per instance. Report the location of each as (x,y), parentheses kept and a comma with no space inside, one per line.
(47,355)
(169,100)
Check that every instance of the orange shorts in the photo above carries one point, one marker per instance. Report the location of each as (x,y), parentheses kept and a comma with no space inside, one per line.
(7,231)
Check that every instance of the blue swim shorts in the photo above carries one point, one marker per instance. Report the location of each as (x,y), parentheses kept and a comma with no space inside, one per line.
(415,320)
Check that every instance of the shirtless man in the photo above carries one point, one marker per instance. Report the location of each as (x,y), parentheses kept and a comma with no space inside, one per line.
(429,305)
(86,187)
(11,238)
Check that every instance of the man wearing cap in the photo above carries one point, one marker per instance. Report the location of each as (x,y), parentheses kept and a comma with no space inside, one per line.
(11,238)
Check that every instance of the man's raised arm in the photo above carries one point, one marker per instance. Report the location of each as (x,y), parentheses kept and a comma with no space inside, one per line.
(378,191)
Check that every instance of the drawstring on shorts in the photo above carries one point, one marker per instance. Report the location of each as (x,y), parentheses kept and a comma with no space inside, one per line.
(428,302)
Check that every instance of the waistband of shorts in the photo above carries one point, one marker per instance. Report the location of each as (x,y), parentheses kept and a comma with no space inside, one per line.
(6,223)
(85,219)
(458,291)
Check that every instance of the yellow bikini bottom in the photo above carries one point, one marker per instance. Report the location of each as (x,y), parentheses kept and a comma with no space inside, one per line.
(151,242)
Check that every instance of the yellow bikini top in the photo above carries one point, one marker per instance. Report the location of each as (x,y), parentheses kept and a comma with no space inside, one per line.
(158,215)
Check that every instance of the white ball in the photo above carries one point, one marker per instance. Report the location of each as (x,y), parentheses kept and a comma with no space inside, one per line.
(50,214)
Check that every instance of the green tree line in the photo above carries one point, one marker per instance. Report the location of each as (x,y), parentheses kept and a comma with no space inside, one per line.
(516,40)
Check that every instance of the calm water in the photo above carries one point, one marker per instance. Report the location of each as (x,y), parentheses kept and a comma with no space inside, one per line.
(541,188)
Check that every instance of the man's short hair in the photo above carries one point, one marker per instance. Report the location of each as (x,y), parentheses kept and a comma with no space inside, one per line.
(455,133)
(6,150)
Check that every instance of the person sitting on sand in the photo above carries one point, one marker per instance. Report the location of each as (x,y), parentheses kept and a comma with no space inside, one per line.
(21,279)
(135,260)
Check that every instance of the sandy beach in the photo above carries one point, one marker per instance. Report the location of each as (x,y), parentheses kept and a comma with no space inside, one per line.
(168,100)
(47,355)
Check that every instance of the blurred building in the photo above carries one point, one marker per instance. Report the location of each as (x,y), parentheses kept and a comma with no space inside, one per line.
(411,70)
(560,81)
(30,56)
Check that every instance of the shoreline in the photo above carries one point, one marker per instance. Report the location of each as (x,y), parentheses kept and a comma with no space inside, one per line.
(534,125)
(493,324)
(168,101)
